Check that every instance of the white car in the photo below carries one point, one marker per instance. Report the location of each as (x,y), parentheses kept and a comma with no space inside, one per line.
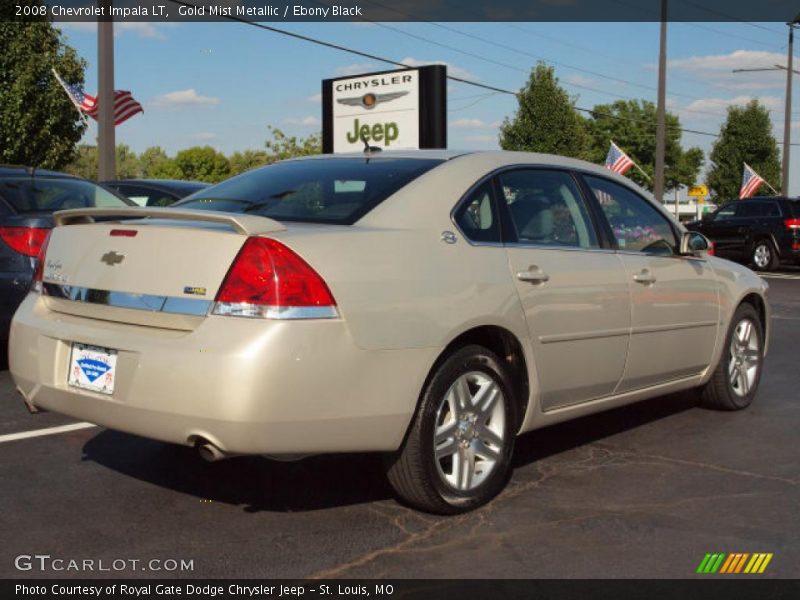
(427,305)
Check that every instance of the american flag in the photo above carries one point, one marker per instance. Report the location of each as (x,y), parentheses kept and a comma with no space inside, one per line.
(750,182)
(617,160)
(124,104)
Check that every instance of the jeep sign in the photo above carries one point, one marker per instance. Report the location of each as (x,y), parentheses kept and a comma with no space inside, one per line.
(403,109)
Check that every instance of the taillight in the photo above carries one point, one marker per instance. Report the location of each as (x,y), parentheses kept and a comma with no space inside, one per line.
(711,248)
(25,240)
(38,273)
(791,223)
(268,280)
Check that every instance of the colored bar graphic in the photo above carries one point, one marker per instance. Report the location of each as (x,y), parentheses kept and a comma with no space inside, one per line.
(734,563)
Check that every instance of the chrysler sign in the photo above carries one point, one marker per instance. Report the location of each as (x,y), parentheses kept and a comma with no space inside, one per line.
(391,110)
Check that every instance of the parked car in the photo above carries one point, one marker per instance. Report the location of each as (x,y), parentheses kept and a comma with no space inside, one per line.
(761,231)
(428,305)
(154,192)
(28,199)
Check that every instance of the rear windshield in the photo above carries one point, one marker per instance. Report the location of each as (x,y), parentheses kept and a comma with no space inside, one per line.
(335,190)
(35,195)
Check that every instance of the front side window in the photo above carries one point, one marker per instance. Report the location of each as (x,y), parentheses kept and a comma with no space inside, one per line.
(546,208)
(636,224)
(476,216)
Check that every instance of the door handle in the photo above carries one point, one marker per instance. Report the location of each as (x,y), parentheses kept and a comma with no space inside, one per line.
(533,276)
(645,277)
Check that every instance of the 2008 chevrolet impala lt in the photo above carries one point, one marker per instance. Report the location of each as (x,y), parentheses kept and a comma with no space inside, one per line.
(428,305)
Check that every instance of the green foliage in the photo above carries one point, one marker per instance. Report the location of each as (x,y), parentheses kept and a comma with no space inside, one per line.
(202,163)
(745,137)
(249,159)
(85,162)
(282,146)
(631,124)
(155,164)
(39,125)
(546,119)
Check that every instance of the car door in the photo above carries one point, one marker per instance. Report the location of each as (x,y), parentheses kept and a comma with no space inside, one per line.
(574,292)
(722,228)
(674,298)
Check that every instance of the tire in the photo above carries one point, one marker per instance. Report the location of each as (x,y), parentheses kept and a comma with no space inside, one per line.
(764,256)
(481,439)
(735,380)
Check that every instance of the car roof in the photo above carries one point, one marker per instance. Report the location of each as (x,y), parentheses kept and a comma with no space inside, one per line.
(178,183)
(19,171)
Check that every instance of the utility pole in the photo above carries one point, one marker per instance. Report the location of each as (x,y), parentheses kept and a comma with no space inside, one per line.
(661,117)
(106,143)
(787,119)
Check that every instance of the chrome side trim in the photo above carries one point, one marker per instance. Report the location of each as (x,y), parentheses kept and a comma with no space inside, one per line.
(588,335)
(676,326)
(148,302)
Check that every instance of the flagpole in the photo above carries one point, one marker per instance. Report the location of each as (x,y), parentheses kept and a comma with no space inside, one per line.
(640,170)
(63,85)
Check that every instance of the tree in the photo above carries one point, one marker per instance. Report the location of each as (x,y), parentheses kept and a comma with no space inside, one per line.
(39,125)
(202,163)
(246,160)
(282,146)
(546,119)
(631,124)
(85,162)
(155,163)
(745,137)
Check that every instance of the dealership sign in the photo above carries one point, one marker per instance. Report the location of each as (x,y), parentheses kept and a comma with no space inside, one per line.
(390,110)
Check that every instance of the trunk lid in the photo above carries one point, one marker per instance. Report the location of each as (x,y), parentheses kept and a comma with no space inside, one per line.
(161,269)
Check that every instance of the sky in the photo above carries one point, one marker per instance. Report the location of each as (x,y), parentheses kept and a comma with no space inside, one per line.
(222,84)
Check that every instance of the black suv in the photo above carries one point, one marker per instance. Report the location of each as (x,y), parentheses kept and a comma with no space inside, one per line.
(762,231)
(28,199)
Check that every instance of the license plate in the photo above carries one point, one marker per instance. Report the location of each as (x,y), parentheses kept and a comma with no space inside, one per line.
(92,368)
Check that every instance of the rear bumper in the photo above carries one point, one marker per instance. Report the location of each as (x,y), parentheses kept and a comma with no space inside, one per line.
(248,386)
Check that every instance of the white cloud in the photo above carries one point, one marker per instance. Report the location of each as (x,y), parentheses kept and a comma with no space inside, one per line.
(451,68)
(204,135)
(579,80)
(719,105)
(182,99)
(309,121)
(480,138)
(717,69)
(355,69)
(144,30)
(315,98)
(472,123)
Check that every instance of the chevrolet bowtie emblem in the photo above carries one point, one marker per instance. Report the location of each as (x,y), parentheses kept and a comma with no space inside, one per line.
(371,100)
(112,258)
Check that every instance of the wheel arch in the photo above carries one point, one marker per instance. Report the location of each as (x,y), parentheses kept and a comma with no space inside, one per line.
(506,345)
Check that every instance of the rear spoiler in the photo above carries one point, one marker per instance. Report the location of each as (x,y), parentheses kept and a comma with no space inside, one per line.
(243,224)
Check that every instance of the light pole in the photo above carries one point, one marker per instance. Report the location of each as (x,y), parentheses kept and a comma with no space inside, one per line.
(661,118)
(106,144)
(787,117)
(787,123)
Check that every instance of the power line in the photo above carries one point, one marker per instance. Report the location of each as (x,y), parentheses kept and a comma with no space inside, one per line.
(450,77)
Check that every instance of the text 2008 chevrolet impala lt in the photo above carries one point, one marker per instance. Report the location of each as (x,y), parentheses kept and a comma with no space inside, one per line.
(428,305)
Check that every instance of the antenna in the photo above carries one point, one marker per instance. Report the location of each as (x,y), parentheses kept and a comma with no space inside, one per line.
(370,149)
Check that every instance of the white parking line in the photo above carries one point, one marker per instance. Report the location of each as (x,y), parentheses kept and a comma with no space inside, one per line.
(781,276)
(11,437)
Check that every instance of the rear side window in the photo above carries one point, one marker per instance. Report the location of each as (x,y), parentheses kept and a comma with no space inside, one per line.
(750,210)
(325,190)
(476,216)
(144,196)
(546,208)
(771,209)
(32,195)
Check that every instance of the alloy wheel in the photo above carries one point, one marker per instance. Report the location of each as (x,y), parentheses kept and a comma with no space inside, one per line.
(744,357)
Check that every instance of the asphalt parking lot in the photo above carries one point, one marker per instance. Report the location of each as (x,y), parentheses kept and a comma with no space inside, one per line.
(643,491)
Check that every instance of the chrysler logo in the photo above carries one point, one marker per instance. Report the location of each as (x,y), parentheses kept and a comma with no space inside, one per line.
(112,258)
(371,100)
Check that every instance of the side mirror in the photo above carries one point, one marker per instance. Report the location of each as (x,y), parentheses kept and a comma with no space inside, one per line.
(695,244)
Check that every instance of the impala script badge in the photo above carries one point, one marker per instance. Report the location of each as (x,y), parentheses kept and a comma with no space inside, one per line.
(112,258)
